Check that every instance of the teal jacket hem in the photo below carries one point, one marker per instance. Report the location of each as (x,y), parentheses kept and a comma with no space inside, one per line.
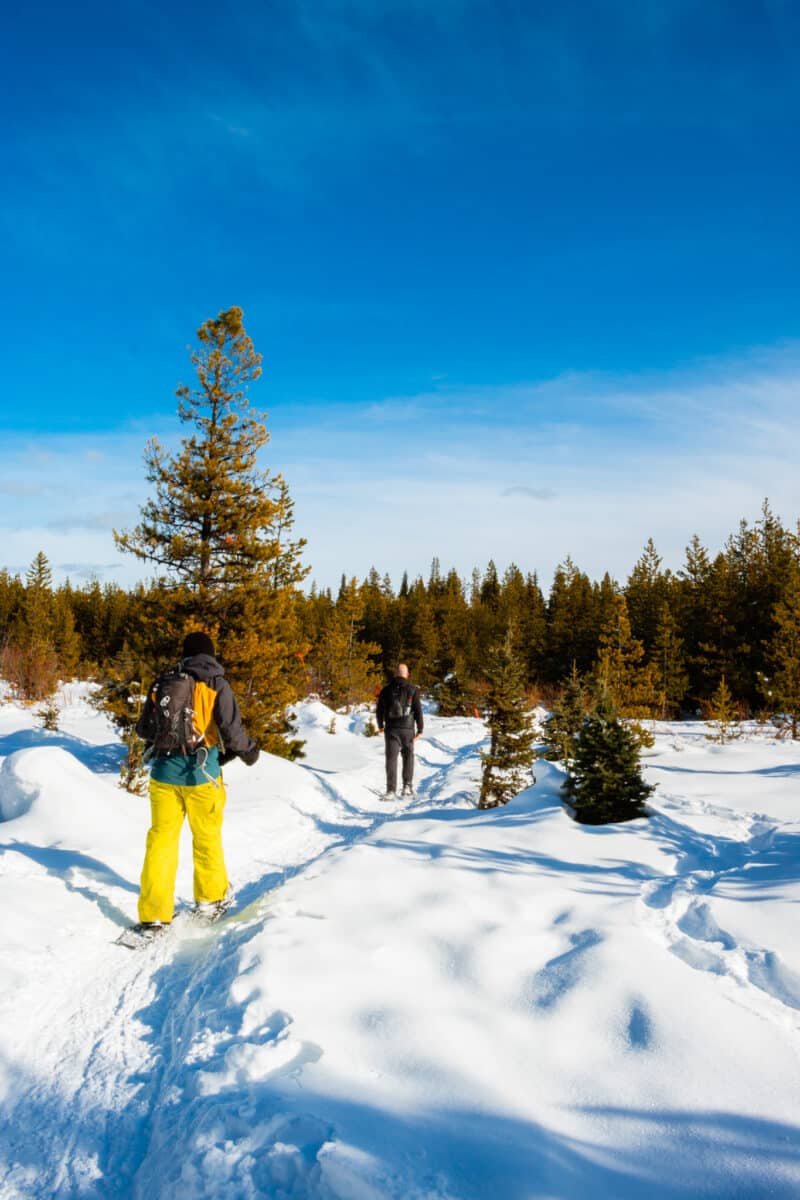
(181,770)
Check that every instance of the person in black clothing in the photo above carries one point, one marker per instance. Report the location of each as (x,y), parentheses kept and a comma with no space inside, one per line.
(399,714)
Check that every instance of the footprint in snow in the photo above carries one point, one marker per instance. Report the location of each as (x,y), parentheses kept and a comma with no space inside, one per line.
(766,971)
(288,1163)
(639,1028)
(659,893)
(699,956)
(698,923)
(256,1062)
(550,985)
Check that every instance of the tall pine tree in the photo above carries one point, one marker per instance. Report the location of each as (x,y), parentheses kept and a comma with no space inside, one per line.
(784,658)
(345,668)
(620,672)
(667,659)
(30,662)
(219,527)
(645,593)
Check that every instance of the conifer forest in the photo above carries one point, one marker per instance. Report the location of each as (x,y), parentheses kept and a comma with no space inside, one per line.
(666,638)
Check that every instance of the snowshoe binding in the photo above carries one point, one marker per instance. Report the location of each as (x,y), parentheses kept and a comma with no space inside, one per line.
(136,937)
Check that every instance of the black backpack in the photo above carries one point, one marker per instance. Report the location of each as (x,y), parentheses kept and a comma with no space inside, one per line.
(400,704)
(171,727)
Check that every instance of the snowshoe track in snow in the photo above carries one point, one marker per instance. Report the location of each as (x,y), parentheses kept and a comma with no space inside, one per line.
(679,909)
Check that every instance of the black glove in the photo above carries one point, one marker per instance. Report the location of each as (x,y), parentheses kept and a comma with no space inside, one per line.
(226,756)
(250,756)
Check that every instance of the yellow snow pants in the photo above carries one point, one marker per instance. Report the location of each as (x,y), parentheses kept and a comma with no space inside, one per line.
(204,806)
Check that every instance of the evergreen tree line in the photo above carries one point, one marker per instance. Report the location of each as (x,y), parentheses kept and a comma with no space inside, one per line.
(660,643)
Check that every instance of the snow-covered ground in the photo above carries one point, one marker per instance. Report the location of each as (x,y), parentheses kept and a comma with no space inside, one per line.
(416,1002)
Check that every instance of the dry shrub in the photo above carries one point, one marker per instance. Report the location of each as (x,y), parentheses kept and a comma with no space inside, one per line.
(31,671)
(544,694)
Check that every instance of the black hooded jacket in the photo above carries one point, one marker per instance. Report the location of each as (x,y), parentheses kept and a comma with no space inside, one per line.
(205,669)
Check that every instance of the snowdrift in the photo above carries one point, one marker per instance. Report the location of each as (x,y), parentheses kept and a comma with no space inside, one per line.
(410,1001)
(67,797)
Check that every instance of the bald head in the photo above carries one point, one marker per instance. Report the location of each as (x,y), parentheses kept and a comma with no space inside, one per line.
(402,671)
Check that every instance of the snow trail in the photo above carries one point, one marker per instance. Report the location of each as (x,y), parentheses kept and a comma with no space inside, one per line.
(90,1123)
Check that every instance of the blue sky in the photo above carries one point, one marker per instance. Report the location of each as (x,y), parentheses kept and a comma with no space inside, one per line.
(525,277)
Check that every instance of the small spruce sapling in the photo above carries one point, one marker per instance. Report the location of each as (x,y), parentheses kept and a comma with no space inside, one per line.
(605,781)
(723,715)
(133,774)
(49,714)
(506,765)
(451,696)
(122,697)
(562,726)
(370,728)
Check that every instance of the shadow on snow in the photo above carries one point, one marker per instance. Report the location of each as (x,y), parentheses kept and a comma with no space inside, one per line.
(264,1137)
(99,759)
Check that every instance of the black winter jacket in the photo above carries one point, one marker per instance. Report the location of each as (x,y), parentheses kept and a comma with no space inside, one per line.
(384,703)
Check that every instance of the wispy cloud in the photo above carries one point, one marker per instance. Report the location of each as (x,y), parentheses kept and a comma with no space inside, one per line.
(20,488)
(530,493)
(66,495)
(104,522)
(88,570)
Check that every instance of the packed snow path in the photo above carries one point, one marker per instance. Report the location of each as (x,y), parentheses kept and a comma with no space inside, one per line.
(411,1000)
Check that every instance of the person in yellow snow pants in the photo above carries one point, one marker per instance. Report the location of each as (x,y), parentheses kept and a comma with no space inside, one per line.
(186,781)
(203,806)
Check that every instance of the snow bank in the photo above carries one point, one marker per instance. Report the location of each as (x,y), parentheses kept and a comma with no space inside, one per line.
(17,791)
(49,798)
(64,790)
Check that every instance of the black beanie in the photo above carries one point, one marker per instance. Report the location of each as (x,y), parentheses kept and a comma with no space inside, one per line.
(197,643)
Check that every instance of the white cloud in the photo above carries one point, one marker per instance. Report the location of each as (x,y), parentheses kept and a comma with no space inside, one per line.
(622,460)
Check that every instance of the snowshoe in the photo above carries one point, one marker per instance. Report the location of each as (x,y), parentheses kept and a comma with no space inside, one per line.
(208,911)
(389,796)
(136,937)
(408,790)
